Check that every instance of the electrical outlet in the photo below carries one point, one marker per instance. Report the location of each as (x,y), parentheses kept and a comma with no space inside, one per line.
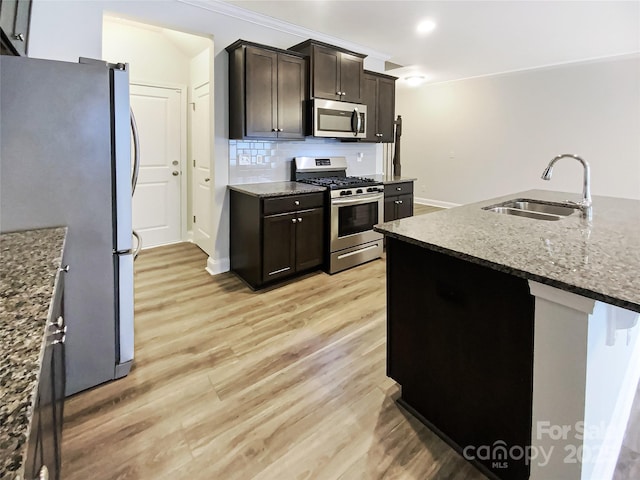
(360,155)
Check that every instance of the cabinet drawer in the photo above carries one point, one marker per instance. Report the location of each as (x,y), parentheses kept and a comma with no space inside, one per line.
(398,188)
(291,203)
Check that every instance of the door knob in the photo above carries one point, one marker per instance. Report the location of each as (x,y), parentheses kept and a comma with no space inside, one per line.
(175,173)
(19,36)
(207,179)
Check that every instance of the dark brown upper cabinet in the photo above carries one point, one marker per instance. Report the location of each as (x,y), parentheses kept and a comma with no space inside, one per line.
(334,73)
(14,26)
(379,95)
(266,92)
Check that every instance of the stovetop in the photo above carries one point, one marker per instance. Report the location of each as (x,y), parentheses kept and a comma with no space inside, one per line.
(336,183)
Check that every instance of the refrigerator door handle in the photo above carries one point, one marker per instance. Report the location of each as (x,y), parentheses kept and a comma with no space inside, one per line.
(136,250)
(136,155)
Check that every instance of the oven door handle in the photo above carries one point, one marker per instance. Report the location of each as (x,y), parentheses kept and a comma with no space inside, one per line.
(360,199)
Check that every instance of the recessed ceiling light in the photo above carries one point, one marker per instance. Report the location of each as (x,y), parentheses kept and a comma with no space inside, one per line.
(415,80)
(426,26)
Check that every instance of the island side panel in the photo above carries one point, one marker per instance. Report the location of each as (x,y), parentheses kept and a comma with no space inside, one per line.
(460,343)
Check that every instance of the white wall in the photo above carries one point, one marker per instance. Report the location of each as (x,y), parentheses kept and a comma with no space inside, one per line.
(152,57)
(480,138)
(67,29)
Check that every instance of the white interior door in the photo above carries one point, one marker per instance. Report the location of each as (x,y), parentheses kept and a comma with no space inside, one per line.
(201,187)
(157,200)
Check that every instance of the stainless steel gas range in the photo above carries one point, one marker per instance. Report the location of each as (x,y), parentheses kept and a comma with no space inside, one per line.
(355,204)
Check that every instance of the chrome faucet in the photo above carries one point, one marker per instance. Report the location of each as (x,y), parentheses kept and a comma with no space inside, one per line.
(585,204)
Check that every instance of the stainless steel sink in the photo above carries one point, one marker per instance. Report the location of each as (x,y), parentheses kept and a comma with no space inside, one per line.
(524,207)
(534,206)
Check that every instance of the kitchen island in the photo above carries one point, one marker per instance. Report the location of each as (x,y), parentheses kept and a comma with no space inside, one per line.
(32,377)
(515,338)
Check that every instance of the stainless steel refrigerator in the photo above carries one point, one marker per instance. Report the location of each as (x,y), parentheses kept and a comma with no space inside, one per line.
(65,160)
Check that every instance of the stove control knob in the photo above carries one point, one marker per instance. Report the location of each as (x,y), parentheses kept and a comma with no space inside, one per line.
(344,192)
(359,190)
(372,189)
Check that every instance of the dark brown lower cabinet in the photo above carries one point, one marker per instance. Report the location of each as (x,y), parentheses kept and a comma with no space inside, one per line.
(277,237)
(293,242)
(398,201)
(44,445)
(460,343)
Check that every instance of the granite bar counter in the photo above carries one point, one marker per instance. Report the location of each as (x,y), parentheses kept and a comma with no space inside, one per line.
(276,189)
(28,278)
(598,259)
(502,327)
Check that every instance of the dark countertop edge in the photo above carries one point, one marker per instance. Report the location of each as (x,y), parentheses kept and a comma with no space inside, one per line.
(32,398)
(301,188)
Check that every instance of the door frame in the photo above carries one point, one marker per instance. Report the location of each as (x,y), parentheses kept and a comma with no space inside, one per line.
(182,89)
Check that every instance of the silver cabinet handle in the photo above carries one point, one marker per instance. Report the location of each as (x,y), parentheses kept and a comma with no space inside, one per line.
(274,129)
(280,130)
(58,332)
(175,173)
(399,202)
(343,93)
(64,269)
(207,179)
(296,202)
(338,93)
(299,219)
(43,473)
(18,36)
(399,189)
(58,322)
(294,220)
(56,342)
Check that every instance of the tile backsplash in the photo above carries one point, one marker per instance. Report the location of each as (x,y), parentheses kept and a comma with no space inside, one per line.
(253,162)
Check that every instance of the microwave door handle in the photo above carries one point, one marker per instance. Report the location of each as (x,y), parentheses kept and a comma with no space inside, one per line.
(355,126)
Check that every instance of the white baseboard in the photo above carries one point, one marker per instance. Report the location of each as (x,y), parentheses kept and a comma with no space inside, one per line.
(189,237)
(214,267)
(435,203)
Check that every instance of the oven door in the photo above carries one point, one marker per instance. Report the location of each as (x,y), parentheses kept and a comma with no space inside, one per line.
(352,220)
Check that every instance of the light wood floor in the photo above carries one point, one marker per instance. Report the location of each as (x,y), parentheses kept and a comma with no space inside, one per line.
(232,384)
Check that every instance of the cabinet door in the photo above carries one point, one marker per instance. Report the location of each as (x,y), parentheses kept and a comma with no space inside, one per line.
(370,99)
(46,455)
(291,88)
(278,250)
(310,239)
(404,206)
(386,109)
(460,341)
(326,73)
(14,21)
(351,71)
(390,207)
(261,92)
(58,371)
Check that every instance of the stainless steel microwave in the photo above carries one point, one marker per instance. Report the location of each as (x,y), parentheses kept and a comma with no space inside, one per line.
(339,119)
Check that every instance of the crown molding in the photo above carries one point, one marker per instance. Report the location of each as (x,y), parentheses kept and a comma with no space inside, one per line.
(233,11)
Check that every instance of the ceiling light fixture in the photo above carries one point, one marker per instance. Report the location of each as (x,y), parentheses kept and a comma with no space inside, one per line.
(426,26)
(414,80)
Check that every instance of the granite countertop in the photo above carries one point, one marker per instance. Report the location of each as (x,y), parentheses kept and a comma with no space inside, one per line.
(389,179)
(598,259)
(28,274)
(276,189)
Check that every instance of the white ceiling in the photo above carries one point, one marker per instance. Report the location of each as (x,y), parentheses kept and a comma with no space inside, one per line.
(472,38)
